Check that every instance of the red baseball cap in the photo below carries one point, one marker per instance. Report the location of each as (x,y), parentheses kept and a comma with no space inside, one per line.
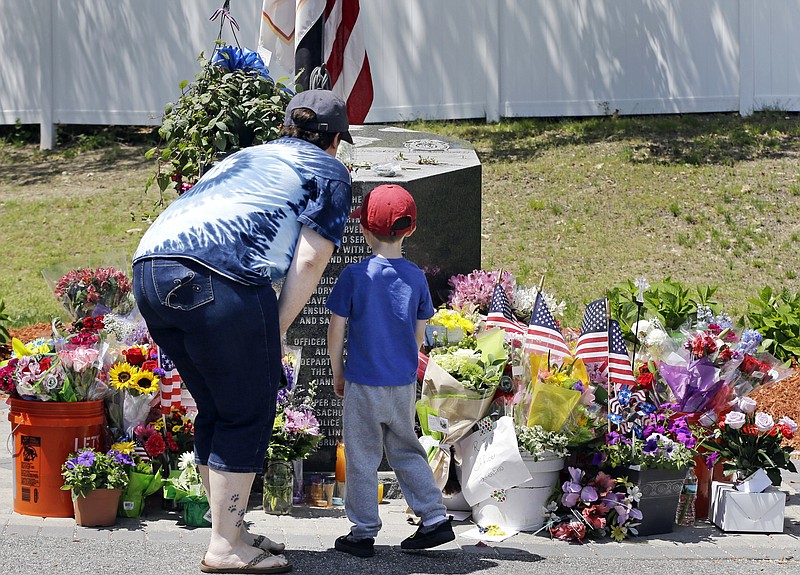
(388,210)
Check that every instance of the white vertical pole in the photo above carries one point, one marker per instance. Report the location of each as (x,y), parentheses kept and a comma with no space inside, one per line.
(47,129)
(492,62)
(747,16)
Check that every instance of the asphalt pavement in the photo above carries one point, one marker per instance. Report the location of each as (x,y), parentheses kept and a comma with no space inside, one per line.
(159,544)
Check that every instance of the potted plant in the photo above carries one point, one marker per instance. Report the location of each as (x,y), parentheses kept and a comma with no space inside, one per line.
(96,480)
(232,104)
(189,492)
(654,453)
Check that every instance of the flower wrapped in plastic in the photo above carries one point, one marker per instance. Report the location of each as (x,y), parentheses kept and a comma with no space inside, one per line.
(89,292)
(135,383)
(458,387)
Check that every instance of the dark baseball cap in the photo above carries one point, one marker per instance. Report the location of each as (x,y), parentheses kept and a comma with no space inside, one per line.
(388,210)
(330,109)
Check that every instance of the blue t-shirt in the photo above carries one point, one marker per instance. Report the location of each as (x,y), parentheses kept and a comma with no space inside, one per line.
(382,300)
(243,218)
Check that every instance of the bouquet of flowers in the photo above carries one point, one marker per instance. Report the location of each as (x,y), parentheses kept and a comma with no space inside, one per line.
(188,485)
(135,383)
(449,326)
(295,431)
(82,354)
(89,292)
(34,372)
(476,288)
(594,504)
(747,440)
(89,469)
(143,480)
(178,430)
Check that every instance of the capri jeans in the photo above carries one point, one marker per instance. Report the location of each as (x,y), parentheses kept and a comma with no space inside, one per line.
(223,337)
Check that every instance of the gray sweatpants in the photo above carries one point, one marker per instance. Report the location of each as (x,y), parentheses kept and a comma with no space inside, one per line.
(374,418)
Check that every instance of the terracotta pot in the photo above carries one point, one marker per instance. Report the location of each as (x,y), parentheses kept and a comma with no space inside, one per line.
(98,508)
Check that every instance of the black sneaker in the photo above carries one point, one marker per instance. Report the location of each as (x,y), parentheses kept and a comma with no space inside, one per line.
(431,536)
(358,547)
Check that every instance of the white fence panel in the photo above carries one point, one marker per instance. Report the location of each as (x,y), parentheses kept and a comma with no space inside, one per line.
(568,57)
(120,61)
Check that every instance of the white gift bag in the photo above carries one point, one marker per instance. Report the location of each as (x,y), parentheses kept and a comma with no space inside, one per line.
(491,460)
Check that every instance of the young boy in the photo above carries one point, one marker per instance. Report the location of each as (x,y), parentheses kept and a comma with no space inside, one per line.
(383,303)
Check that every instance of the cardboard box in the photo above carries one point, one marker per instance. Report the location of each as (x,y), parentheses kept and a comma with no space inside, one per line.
(733,510)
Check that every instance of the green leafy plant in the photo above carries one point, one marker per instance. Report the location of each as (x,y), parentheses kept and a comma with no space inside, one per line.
(777,318)
(88,469)
(5,337)
(669,301)
(232,104)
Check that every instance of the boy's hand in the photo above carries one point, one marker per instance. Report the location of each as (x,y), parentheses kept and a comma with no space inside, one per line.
(338,386)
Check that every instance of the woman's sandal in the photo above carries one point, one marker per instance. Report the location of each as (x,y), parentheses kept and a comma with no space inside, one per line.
(251,567)
(268,544)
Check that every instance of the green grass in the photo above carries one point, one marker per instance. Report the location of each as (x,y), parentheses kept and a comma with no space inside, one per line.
(704,199)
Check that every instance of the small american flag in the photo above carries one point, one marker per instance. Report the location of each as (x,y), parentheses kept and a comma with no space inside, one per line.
(543,335)
(170,383)
(500,314)
(593,342)
(619,364)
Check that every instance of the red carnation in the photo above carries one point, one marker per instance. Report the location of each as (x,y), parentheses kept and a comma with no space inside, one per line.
(155,446)
(786,432)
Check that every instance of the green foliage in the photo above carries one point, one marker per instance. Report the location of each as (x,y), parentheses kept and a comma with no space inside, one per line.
(88,469)
(669,301)
(777,317)
(5,337)
(219,113)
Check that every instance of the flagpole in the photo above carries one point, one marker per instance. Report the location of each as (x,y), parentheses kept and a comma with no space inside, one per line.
(541,285)
(640,283)
(608,366)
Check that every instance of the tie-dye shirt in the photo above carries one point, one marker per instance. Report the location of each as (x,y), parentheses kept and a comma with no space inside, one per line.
(243,218)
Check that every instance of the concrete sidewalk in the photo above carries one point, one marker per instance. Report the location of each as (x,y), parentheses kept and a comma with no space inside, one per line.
(311,529)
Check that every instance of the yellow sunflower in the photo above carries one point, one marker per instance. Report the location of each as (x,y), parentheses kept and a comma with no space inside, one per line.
(124,447)
(121,375)
(144,382)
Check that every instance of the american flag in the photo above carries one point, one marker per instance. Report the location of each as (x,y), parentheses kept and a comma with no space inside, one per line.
(619,364)
(543,335)
(593,342)
(500,314)
(284,24)
(170,383)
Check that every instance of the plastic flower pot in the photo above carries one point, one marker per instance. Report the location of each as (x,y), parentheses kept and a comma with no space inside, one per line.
(194,511)
(98,508)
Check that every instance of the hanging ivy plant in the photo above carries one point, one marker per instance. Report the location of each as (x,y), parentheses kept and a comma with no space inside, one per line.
(232,104)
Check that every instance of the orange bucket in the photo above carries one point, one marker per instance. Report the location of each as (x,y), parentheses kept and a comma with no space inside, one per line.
(45,433)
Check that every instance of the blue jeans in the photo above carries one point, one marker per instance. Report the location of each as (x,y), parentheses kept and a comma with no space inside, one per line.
(223,337)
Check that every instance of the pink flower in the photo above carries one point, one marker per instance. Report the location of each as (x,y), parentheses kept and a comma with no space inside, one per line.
(79,358)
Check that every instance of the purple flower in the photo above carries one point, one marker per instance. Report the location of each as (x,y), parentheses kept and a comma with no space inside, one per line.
(122,458)
(301,422)
(85,458)
(574,491)
(650,446)
(72,463)
(613,438)
(711,459)
(598,457)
